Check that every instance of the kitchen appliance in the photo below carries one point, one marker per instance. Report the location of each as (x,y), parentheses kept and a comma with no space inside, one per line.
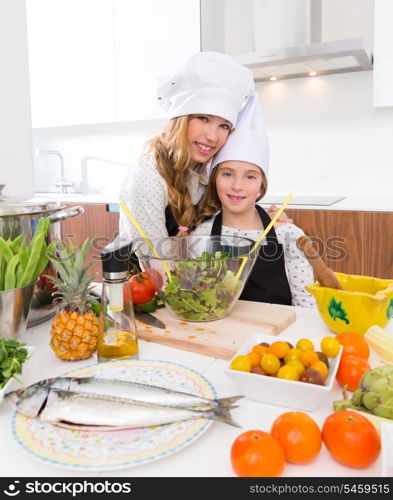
(117,338)
(291,40)
(22,218)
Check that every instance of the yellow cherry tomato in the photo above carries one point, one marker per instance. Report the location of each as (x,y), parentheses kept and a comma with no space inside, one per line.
(241,363)
(330,347)
(293,353)
(321,367)
(288,372)
(305,344)
(297,364)
(270,363)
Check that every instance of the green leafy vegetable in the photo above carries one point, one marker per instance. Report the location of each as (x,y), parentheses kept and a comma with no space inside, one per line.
(203,289)
(12,356)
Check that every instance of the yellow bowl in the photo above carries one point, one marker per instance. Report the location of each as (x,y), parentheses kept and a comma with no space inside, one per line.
(363,302)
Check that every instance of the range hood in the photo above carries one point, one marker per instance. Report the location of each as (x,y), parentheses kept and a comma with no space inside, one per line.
(338,56)
(293,38)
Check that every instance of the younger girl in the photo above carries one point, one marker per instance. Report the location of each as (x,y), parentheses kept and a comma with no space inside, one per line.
(236,184)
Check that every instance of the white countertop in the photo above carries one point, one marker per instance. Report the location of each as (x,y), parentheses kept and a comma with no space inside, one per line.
(359,202)
(209,455)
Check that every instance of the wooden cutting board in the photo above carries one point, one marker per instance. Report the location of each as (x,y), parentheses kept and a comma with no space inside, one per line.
(221,338)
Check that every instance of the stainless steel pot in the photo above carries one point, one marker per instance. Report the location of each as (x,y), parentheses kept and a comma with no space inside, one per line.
(22,218)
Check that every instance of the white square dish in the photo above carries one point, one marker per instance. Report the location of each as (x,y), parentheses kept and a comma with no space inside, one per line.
(13,383)
(276,391)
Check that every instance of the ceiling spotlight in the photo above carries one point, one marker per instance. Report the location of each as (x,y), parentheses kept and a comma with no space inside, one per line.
(273,78)
(312,73)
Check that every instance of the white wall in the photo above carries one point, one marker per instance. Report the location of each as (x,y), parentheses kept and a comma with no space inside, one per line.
(16,166)
(325,136)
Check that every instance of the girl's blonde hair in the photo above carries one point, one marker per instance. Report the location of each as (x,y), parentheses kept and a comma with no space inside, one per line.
(173,158)
(210,202)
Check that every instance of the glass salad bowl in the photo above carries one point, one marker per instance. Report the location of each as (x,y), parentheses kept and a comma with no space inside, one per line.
(199,277)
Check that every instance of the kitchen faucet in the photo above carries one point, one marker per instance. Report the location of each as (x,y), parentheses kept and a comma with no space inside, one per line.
(63,184)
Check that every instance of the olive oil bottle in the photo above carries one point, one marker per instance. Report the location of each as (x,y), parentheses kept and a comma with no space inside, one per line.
(118,337)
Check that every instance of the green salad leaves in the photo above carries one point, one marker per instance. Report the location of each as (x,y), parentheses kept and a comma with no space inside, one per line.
(12,356)
(203,289)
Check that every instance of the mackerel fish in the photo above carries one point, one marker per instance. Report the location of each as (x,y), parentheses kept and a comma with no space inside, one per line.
(86,411)
(134,391)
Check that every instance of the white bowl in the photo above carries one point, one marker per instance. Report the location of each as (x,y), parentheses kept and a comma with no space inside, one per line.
(276,391)
(13,384)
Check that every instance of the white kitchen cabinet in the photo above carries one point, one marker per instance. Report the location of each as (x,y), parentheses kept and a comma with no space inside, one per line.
(71,53)
(152,40)
(16,159)
(97,61)
(383,54)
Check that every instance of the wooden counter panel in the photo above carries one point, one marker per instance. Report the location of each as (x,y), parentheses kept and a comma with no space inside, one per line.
(378,248)
(339,235)
(96,222)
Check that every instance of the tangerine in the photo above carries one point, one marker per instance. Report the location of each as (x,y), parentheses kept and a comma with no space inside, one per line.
(351,438)
(299,435)
(257,454)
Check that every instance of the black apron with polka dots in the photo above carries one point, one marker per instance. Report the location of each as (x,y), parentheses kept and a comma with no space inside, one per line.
(268,281)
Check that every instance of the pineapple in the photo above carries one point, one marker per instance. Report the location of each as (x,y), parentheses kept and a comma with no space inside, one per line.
(75,328)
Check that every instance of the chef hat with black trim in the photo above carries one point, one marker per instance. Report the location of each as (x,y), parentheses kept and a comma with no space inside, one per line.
(248,142)
(208,83)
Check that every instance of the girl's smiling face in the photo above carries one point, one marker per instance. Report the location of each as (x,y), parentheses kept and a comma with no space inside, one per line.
(238,185)
(206,134)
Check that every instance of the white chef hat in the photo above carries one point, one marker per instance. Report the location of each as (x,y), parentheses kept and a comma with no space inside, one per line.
(248,142)
(209,83)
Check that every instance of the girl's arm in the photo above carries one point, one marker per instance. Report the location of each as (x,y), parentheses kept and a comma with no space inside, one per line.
(145,194)
(299,271)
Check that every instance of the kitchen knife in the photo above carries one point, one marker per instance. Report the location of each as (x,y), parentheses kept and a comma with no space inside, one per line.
(149,319)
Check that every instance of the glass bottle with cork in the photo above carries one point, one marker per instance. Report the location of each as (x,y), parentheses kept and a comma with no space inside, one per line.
(118,334)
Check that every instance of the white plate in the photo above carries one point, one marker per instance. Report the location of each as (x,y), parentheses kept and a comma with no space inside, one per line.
(109,450)
(13,384)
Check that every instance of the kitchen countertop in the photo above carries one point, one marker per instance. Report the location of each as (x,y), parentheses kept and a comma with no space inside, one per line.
(358,202)
(209,455)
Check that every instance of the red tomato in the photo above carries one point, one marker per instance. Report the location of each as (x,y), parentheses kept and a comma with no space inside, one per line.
(157,278)
(354,345)
(257,454)
(142,287)
(350,371)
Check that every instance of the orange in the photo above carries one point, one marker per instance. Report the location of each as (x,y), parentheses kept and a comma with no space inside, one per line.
(321,367)
(351,438)
(255,359)
(259,349)
(299,435)
(354,345)
(308,357)
(279,349)
(257,454)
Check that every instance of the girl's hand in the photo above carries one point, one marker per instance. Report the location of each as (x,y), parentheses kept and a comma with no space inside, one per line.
(283,219)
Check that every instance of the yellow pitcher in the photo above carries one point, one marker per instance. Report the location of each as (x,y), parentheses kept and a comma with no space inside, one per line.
(364,301)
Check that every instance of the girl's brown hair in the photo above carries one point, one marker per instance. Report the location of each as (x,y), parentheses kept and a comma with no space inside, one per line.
(210,202)
(173,159)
